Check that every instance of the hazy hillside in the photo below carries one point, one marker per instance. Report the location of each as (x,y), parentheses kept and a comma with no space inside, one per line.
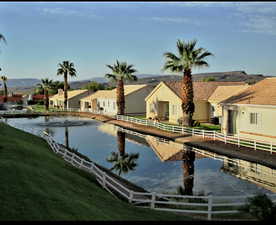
(26,85)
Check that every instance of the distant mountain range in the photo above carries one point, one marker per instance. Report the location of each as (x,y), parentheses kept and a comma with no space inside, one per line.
(26,85)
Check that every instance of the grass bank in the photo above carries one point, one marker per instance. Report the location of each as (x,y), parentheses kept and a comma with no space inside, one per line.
(36,184)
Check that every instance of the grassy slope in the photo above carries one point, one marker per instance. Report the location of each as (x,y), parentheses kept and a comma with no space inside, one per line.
(36,184)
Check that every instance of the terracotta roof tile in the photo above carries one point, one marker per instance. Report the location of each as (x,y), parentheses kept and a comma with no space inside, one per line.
(202,90)
(261,93)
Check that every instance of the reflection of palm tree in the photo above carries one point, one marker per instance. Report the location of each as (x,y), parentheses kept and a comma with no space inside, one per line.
(122,162)
(188,171)
(66,137)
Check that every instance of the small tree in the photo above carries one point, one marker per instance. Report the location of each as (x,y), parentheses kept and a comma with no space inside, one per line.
(208,79)
(261,207)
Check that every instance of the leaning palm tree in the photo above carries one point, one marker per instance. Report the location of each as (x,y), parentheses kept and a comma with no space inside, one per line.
(4,79)
(120,73)
(188,57)
(46,85)
(66,68)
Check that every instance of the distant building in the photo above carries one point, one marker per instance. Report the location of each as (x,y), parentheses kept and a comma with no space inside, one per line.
(105,100)
(165,100)
(74,97)
(251,113)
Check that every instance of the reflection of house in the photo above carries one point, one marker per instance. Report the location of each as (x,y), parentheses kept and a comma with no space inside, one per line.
(165,100)
(106,100)
(258,174)
(74,97)
(168,150)
(221,93)
(251,112)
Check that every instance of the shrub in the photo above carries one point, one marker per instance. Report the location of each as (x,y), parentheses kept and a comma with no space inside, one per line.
(260,207)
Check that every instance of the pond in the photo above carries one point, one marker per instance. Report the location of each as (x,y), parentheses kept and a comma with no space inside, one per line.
(197,172)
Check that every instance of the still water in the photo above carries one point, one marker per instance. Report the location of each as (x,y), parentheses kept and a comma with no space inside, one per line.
(195,172)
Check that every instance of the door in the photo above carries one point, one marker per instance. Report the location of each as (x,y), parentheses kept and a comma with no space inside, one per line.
(232,118)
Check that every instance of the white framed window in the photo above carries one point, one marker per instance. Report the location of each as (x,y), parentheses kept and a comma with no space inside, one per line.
(253,118)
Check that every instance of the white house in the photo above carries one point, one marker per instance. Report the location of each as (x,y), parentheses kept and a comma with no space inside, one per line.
(251,113)
(105,100)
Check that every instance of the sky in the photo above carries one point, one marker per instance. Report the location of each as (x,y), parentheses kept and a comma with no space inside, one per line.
(241,35)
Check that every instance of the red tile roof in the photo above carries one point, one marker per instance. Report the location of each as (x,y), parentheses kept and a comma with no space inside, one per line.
(202,90)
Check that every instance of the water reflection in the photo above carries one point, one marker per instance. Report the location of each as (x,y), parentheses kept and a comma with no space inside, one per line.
(122,161)
(164,165)
(188,170)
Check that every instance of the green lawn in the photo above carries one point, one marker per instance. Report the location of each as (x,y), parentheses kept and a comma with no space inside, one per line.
(36,184)
(38,108)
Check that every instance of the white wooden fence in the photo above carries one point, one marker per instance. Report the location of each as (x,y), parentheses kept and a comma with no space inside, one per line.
(251,143)
(208,205)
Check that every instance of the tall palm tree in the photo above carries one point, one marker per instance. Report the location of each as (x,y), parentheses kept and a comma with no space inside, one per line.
(122,162)
(188,58)
(46,85)
(121,72)
(5,79)
(66,68)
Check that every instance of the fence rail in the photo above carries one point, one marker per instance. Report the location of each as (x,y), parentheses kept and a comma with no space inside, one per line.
(209,205)
(246,142)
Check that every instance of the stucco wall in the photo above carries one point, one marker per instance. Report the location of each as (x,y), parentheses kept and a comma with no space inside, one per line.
(265,129)
(135,102)
(163,93)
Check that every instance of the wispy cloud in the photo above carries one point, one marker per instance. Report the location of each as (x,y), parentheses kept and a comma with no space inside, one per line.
(179,20)
(260,24)
(67,12)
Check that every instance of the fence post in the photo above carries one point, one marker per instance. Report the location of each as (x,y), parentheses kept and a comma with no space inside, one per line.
(210,203)
(255,147)
(182,130)
(239,140)
(203,133)
(130,197)
(271,148)
(214,135)
(153,197)
(225,140)
(104,180)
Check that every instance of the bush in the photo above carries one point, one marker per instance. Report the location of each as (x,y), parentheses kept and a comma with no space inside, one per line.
(260,207)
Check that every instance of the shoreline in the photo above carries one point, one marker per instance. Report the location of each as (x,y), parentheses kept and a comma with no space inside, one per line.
(230,150)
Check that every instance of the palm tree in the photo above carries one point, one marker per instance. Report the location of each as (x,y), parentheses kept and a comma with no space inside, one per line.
(46,85)
(188,57)
(4,79)
(120,73)
(123,162)
(66,68)
(188,171)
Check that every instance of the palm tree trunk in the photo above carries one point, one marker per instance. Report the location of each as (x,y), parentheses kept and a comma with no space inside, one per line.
(121,138)
(188,171)
(66,137)
(120,98)
(46,99)
(65,91)
(5,92)
(188,96)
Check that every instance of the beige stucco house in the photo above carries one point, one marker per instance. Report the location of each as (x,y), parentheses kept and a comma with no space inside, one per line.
(74,96)
(165,100)
(222,93)
(251,113)
(105,100)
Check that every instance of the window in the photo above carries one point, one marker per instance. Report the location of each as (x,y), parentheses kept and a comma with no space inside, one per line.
(253,118)
(114,105)
(108,103)
(174,109)
(103,103)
